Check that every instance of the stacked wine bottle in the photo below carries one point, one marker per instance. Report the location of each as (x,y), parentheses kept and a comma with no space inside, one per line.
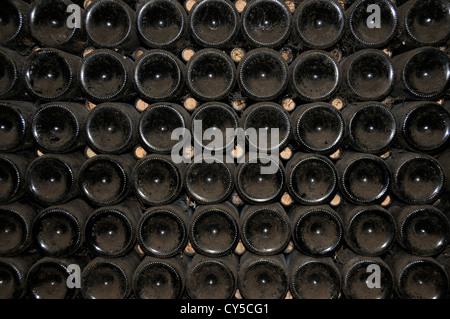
(95,202)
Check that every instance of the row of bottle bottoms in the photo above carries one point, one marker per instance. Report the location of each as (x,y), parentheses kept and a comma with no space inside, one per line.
(218,23)
(164,128)
(263,74)
(219,229)
(249,276)
(310,179)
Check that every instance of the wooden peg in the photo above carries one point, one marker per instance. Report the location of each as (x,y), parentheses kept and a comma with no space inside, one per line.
(190,104)
(288,104)
(89,152)
(187,54)
(237,54)
(240,5)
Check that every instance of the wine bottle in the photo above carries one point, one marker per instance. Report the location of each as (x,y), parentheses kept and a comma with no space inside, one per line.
(313,277)
(209,180)
(111,231)
(13,168)
(366,30)
(111,24)
(260,179)
(13,276)
(211,74)
(365,277)
(368,75)
(444,162)
(318,24)
(316,231)
(422,230)
(212,278)
(214,23)
(311,179)
(111,128)
(314,75)
(214,116)
(368,230)
(444,260)
(58,231)
(52,178)
(423,126)
(417,179)
(214,229)
(266,23)
(161,23)
(271,126)
(163,230)
(157,278)
(11,84)
(106,75)
(158,75)
(15,27)
(15,123)
(49,25)
(263,277)
(51,74)
(371,127)
(417,277)
(318,128)
(58,127)
(364,179)
(265,229)
(16,220)
(109,278)
(157,123)
(157,180)
(424,23)
(47,278)
(421,74)
(106,179)
(262,73)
